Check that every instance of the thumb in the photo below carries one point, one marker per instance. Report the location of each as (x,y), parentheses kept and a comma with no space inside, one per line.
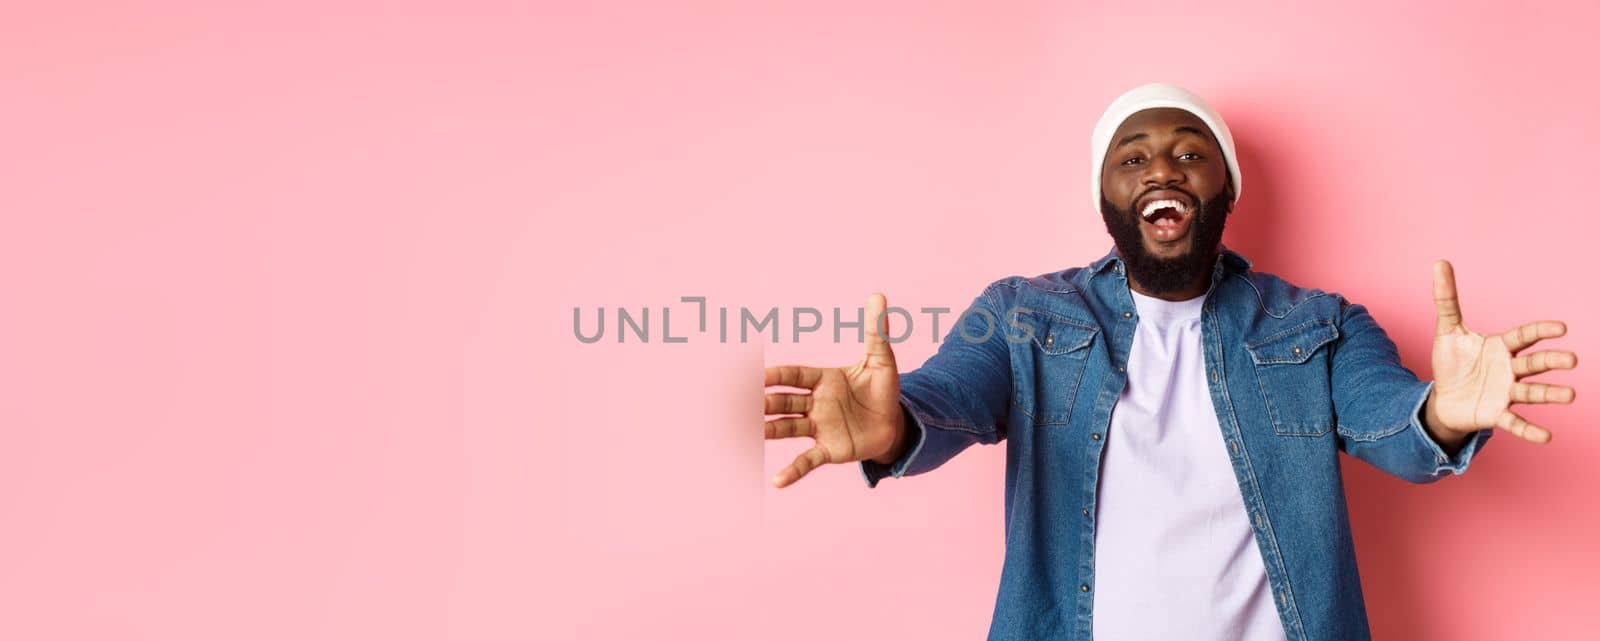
(878,351)
(1446,305)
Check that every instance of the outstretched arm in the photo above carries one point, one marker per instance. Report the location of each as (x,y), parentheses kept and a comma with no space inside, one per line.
(1422,431)
(959,397)
(896,425)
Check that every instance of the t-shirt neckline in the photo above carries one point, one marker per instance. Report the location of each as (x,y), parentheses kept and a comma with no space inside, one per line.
(1157,308)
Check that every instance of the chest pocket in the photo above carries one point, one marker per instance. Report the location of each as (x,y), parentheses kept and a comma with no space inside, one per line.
(1293,368)
(1061,348)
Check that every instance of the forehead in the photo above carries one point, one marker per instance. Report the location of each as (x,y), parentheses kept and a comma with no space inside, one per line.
(1160,123)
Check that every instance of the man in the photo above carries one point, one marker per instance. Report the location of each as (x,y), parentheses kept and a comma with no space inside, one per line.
(1173,417)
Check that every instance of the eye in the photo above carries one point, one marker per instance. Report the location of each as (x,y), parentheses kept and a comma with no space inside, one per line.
(1132,161)
(1190,156)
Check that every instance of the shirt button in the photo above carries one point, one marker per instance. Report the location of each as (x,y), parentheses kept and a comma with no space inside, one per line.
(1127,314)
(1086,511)
(1083,588)
(1233,445)
(1095,436)
(1119,369)
(1296,350)
(1258,519)
(1213,373)
(1050,340)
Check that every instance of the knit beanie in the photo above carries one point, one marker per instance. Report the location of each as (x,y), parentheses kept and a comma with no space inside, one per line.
(1153,96)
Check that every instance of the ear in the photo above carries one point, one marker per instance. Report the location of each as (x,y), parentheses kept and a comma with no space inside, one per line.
(1227,188)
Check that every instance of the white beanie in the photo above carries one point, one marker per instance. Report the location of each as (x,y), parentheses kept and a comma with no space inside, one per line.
(1155,96)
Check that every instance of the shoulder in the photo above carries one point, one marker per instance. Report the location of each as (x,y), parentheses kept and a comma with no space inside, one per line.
(1060,294)
(1279,298)
(1066,283)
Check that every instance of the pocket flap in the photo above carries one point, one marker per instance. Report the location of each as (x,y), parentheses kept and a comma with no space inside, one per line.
(1057,335)
(1293,345)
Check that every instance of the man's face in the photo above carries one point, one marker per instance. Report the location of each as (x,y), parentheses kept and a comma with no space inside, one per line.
(1166,196)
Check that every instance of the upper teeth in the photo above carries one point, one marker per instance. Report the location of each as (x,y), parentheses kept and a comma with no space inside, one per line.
(1166,203)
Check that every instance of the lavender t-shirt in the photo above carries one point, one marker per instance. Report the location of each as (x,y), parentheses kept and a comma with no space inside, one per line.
(1174,554)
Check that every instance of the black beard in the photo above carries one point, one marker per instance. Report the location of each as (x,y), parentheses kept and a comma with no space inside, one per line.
(1176,274)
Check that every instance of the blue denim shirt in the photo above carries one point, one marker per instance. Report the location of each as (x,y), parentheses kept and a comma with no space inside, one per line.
(1296,376)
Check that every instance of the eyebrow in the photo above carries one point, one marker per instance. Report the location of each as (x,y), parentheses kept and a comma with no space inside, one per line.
(1180,130)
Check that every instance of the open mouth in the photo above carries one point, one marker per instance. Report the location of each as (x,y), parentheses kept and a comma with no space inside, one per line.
(1168,218)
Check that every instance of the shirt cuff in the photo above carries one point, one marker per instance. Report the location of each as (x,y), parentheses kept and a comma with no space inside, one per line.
(874,471)
(1443,462)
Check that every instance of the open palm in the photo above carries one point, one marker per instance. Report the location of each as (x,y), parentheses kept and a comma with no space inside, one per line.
(1477,377)
(852,412)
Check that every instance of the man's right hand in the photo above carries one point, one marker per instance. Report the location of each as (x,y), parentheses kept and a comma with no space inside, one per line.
(852,412)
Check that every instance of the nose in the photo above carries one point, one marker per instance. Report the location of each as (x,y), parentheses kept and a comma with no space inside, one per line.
(1162,171)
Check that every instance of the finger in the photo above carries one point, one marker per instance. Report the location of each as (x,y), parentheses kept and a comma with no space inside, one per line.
(788,403)
(1510,422)
(793,376)
(1543,361)
(1518,339)
(1445,303)
(803,464)
(878,351)
(791,427)
(1542,393)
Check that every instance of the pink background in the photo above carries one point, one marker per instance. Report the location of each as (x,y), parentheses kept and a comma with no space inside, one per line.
(286,297)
